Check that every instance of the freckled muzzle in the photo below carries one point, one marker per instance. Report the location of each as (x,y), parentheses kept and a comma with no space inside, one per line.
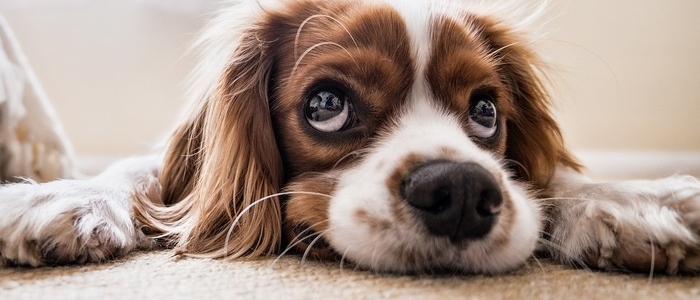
(457,200)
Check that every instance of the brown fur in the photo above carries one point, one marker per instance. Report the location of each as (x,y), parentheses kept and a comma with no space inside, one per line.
(220,162)
(306,213)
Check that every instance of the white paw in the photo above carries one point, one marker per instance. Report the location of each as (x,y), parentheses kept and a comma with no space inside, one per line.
(64,222)
(635,226)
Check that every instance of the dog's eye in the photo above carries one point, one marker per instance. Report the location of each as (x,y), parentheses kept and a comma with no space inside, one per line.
(329,110)
(482,117)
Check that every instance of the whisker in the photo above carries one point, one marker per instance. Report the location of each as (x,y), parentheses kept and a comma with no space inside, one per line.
(550,202)
(342,259)
(537,261)
(296,64)
(351,154)
(374,258)
(653,256)
(497,51)
(249,207)
(653,259)
(570,199)
(301,26)
(291,246)
(519,164)
(311,245)
(300,238)
(310,227)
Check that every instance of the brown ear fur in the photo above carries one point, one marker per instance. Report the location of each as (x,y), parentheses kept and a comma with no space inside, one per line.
(219,162)
(534,139)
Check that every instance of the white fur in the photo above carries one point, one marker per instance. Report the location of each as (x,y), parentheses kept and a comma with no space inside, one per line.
(623,221)
(419,24)
(74,220)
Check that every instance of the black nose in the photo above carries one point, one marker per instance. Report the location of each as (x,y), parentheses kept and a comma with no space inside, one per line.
(457,200)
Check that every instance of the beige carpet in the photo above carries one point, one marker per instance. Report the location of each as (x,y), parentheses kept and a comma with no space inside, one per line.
(156,275)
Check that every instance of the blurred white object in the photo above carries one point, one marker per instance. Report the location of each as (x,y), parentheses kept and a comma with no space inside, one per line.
(32,141)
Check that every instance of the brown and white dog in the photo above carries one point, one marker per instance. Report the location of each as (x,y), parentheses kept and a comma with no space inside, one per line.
(403,136)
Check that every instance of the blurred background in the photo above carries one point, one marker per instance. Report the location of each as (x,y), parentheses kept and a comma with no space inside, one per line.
(626,73)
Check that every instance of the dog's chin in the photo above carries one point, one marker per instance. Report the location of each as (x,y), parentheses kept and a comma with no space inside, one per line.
(438,255)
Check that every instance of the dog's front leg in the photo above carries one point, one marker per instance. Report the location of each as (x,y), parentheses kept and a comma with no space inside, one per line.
(76,221)
(641,225)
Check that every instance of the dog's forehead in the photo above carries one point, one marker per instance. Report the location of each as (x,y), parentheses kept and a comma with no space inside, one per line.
(446,45)
(403,31)
(422,19)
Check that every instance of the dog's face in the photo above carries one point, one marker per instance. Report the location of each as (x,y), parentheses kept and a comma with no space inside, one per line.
(401,127)
(405,132)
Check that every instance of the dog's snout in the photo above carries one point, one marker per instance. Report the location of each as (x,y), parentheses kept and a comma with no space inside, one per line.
(457,200)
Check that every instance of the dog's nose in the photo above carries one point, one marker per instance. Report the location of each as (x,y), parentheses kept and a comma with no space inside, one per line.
(457,200)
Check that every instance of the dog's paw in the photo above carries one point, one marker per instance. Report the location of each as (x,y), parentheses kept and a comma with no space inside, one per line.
(635,226)
(64,222)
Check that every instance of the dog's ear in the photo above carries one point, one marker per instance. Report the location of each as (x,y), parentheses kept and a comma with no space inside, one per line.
(224,158)
(534,139)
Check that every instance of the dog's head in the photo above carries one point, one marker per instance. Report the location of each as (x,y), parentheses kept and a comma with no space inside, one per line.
(404,135)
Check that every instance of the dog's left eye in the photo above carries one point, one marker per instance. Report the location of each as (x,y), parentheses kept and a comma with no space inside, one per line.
(329,110)
(482,117)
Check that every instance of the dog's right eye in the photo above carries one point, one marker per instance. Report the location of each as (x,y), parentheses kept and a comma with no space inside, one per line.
(482,116)
(329,110)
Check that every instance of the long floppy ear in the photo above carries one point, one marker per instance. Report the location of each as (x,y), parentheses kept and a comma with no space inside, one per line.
(224,157)
(534,139)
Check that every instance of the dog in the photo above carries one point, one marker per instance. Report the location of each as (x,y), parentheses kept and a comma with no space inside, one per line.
(400,136)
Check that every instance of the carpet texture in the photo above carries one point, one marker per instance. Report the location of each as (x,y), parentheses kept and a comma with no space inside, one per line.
(157,275)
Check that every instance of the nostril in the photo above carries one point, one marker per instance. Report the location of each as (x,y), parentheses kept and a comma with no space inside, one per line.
(489,203)
(429,189)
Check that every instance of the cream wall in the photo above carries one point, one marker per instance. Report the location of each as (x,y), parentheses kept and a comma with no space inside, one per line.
(627,71)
